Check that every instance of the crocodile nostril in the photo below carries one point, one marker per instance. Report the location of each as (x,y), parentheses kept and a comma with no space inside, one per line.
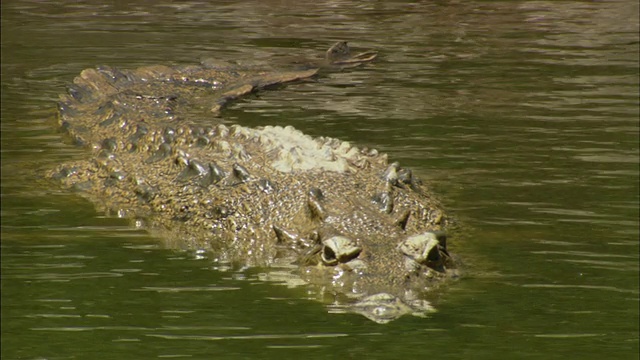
(339,249)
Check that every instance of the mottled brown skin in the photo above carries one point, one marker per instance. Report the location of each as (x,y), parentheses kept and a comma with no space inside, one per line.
(157,150)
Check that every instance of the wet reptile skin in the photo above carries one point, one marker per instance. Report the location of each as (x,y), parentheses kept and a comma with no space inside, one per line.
(252,196)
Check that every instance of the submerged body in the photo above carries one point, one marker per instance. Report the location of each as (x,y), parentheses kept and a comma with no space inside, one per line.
(254,196)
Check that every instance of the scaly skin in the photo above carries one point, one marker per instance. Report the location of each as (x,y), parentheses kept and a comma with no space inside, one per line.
(254,196)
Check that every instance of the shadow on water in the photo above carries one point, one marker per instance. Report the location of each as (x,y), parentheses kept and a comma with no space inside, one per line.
(522,115)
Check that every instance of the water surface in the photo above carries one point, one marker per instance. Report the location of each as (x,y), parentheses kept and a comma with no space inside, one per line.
(522,115)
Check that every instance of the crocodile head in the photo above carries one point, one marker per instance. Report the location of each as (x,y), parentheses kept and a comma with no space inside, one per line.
(380,254)
(339,55)
(369,230)
(385,282)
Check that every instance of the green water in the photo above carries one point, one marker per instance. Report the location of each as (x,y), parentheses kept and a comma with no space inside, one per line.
(522,115)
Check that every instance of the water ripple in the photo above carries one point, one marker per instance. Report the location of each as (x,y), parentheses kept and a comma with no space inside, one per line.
(588,287)
(185,289)
(61,277)
(248,337)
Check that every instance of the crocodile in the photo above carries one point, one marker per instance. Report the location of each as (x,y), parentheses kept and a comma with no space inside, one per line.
(345,216)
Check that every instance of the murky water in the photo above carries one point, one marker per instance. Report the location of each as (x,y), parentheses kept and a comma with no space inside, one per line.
(522,114)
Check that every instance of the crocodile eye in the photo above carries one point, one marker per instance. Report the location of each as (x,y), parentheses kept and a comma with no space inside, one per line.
(339,249)
(423,248)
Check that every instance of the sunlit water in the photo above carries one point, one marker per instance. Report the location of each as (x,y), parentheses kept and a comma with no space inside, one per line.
(523,115)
